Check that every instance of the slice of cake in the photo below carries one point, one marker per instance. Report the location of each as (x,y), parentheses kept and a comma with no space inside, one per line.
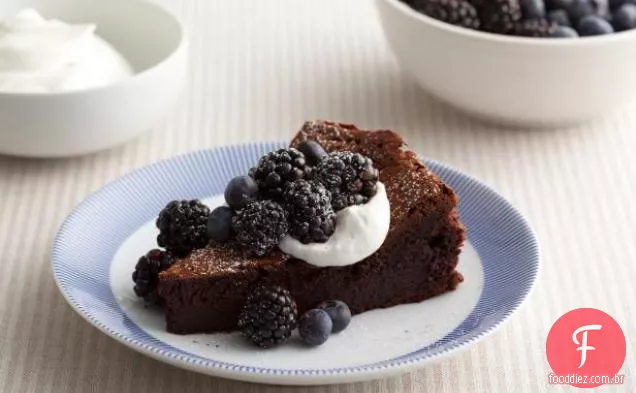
(205,291)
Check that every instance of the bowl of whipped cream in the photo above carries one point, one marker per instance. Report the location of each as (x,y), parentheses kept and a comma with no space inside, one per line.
(78,77)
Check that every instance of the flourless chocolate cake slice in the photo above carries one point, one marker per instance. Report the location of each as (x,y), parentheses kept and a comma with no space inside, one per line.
(205,291)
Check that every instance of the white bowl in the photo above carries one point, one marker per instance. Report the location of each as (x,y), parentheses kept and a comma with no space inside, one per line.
(527,81)
(80,122)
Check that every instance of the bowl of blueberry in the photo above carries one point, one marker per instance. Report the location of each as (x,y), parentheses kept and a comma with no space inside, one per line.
(522,62)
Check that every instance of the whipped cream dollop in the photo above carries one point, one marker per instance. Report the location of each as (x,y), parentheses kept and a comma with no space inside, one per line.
(43,56)
(360,231)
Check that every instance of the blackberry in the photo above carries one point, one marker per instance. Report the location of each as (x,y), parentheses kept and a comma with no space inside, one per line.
(311,217)
(260,226)
(183,227)
(456,12)
(534,28)
(277,169)
(146,274)
(268,317)
(498,16)
(350,177)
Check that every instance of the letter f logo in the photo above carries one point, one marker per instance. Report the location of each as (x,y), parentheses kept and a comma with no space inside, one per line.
(583,344)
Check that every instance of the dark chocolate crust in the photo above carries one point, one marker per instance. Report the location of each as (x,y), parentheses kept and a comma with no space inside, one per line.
(205,291)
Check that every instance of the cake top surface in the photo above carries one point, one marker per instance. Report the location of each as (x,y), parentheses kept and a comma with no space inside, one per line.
(227,259)
(406,178)
(410,186)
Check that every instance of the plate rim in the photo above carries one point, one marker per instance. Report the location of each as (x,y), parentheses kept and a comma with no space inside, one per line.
(300,377)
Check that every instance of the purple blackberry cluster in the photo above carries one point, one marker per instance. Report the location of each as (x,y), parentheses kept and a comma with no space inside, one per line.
(270,315)
(534,18)
(260,226)
(311,217)
(183,227)
(350,177)
(277,169)
(146,274)
(291,191)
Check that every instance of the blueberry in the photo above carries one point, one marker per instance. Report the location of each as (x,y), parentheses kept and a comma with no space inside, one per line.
(240,191)
(614,4)
(580,9)
(315,327)
(560,17)
(338,312)
(624,18)
(312,150)
(564,32)
(220,224)
(533,9)
(594,25)
(558,4)
(601,7)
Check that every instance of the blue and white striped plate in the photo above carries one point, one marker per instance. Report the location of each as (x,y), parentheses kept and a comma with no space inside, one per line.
(98,245)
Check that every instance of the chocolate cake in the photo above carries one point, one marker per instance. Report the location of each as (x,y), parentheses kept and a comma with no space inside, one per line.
(205,291)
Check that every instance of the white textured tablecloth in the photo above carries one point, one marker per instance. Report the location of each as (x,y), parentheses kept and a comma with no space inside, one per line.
(258,70)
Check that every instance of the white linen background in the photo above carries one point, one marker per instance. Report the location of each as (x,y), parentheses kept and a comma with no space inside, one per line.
(258,70)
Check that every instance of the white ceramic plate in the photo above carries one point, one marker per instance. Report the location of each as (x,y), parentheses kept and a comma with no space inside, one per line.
(97,247)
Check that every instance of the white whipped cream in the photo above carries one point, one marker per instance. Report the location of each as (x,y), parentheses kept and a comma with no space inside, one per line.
(42,56)
(360,231)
